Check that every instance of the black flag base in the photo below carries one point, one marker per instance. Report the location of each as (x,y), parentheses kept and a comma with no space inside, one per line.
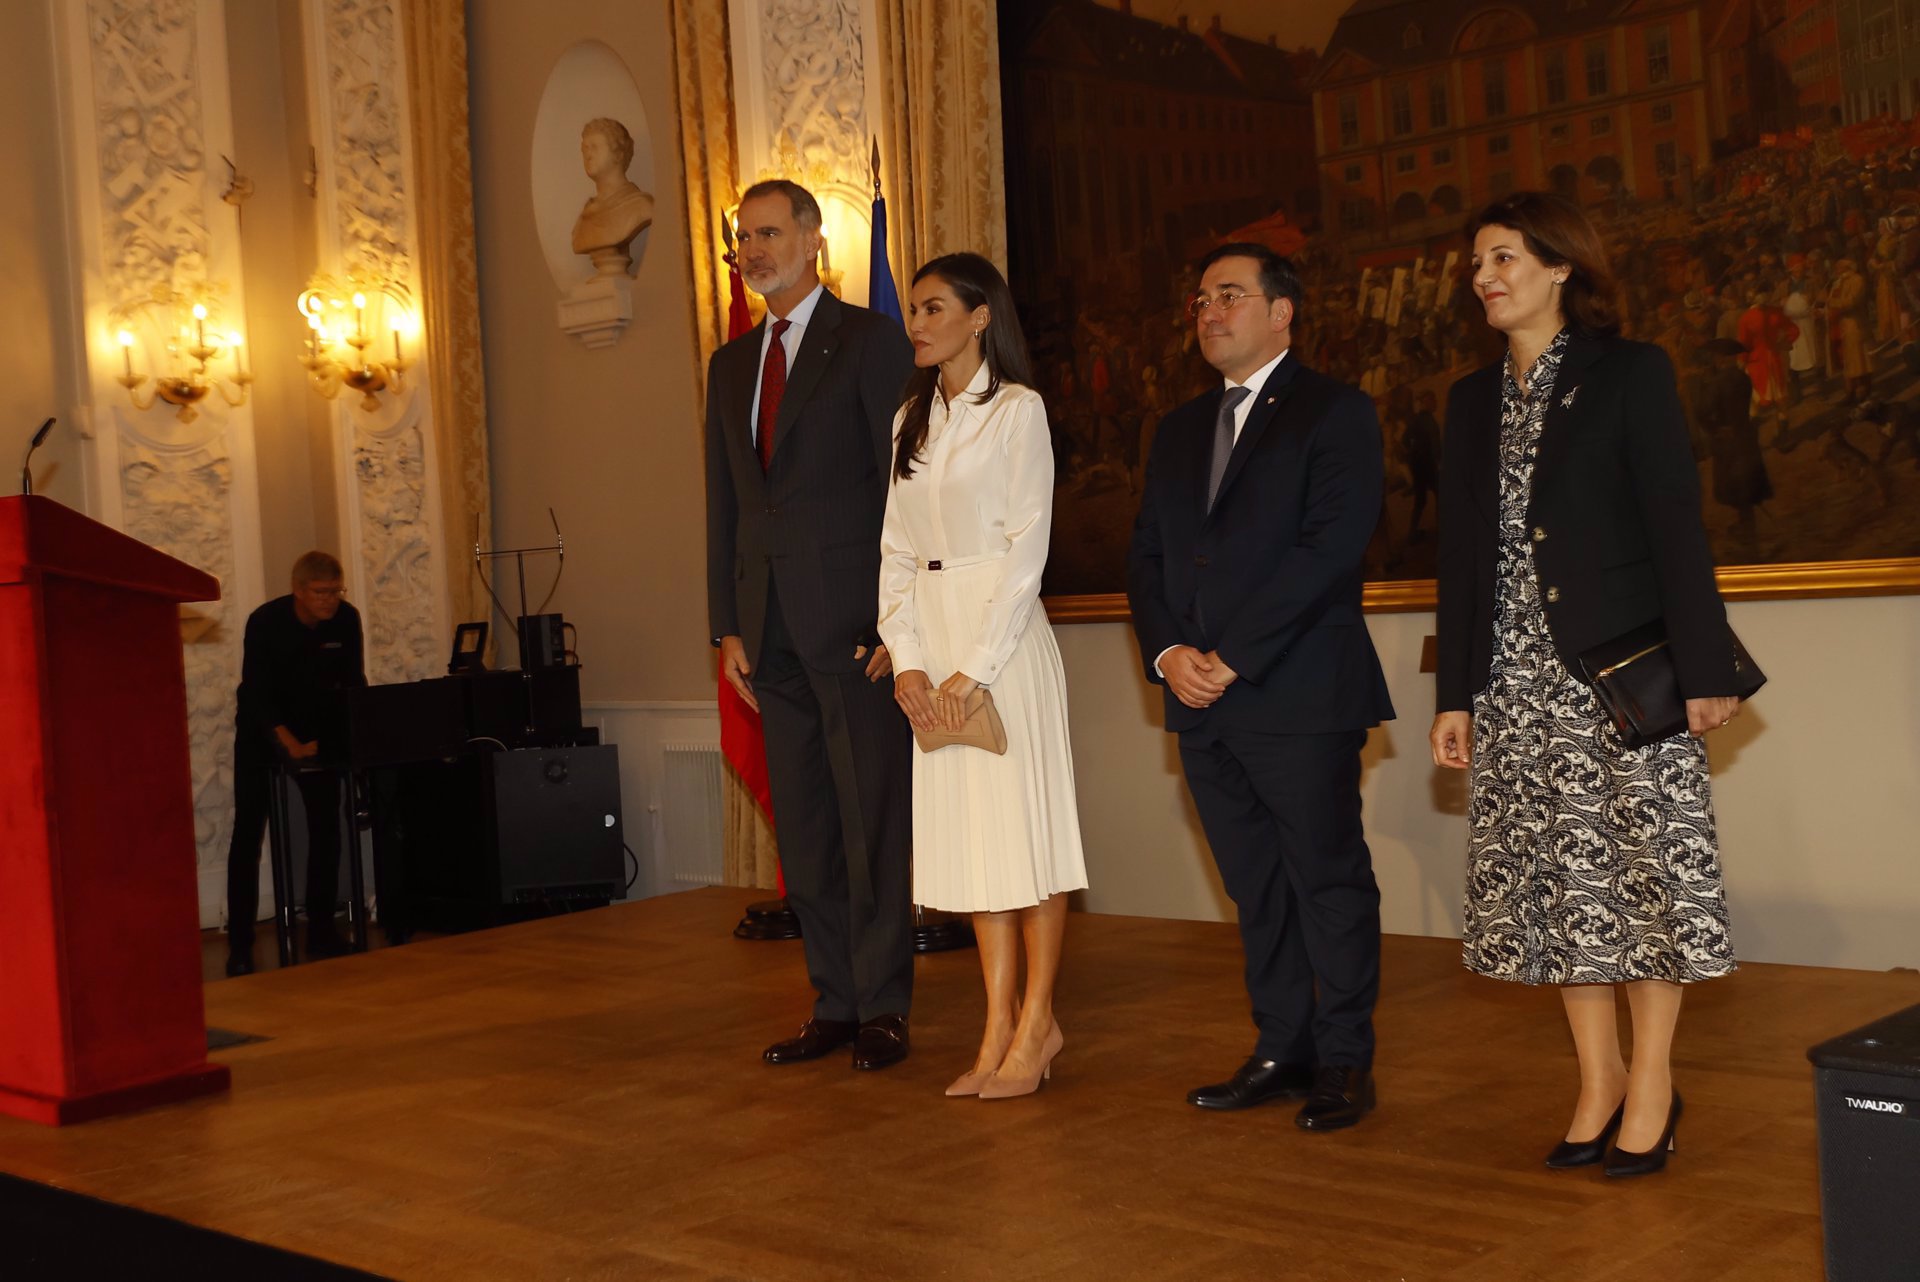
(938,932)
(768,919)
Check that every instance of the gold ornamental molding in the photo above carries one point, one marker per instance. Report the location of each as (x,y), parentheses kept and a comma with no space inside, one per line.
(1892,576)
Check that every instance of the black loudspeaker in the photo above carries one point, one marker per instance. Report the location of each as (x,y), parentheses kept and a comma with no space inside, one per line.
(556,823)
(543,642)
(469,842)
(1867,1098)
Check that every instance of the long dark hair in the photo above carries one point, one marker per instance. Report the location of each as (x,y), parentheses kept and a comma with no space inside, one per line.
(1559,233)
(975,282)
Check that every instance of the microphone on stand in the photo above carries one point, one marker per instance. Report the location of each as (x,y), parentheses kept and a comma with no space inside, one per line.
(26,464)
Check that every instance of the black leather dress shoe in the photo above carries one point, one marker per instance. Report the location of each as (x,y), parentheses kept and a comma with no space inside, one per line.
(1342,1094)
(881,1043)
(1254,1082)
(817,1037)
(239,964)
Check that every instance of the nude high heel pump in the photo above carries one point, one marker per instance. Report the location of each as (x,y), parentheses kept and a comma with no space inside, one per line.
(999,1086)
(969,1082)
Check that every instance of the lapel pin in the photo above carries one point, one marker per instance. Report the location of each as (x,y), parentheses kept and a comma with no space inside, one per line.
(1566,402)
(1272,399)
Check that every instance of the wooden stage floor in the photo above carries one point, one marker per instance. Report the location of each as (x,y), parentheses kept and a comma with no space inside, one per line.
(583,1098)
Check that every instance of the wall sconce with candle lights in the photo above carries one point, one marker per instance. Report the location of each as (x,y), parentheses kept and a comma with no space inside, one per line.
(193,342)
(358,328)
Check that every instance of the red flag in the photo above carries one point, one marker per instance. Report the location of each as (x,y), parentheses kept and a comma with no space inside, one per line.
(743,741)
(739,319)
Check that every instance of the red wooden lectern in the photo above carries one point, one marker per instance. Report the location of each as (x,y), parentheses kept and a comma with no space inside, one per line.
(100,1003)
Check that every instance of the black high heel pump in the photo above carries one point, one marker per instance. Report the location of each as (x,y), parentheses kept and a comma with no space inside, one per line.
(1622,1163)
(1571,1153)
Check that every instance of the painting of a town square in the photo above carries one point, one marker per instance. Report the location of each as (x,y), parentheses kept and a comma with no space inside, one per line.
(1754,166)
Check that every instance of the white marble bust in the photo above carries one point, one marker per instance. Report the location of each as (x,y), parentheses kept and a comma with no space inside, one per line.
(618,210)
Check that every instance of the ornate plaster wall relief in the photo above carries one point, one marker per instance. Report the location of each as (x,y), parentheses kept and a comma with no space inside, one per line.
(147,108)
(808,112)
(366,123)
(813,59)
(386,477)
(397,551)
(593,231)
(177,492)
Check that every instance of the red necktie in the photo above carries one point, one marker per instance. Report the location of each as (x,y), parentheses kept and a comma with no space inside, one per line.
(773,386)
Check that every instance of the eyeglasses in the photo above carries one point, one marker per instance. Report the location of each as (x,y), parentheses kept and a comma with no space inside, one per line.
(1226,300)
(329,593)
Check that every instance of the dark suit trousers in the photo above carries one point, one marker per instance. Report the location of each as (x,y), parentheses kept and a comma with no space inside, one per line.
(842,786)
(1282,813)
(319,797)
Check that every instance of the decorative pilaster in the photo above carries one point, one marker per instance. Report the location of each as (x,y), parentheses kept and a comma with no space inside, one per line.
(807,110)
(146,110)
(813,68)
(387,471)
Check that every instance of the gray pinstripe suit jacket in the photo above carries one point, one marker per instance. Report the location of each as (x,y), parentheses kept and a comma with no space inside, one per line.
(811,524)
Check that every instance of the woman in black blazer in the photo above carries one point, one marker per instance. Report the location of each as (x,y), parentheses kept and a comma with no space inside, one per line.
(1569,515)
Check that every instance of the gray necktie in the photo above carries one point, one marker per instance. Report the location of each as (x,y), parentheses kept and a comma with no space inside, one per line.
(1223,440)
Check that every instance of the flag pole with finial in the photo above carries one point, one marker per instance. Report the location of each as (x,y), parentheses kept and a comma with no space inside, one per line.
(882,297)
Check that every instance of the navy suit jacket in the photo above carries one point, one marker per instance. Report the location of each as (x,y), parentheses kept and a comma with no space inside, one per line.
(811,523)
(1271,577)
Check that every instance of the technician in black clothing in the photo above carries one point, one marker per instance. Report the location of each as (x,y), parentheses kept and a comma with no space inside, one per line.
(303,651)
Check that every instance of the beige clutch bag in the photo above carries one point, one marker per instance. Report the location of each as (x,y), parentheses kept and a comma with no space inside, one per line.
(981,730)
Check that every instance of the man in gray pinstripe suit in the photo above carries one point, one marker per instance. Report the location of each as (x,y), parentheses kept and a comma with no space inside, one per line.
(799,449)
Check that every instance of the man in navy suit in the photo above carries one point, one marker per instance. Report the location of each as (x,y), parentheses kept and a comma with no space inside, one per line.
(799,451)
(1245,580)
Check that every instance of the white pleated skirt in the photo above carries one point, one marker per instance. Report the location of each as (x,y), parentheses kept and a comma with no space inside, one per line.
(992,833)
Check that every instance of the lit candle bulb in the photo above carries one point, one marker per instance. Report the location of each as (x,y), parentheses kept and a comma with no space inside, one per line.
(826,259)
(359,315)
(199,325)
(126,352)
(239,366)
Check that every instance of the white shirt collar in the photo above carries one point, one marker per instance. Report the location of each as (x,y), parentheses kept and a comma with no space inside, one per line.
(1258,379)
(941,409)
(802,311)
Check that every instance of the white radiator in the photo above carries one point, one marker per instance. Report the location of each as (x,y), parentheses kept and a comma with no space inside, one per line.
(688,814)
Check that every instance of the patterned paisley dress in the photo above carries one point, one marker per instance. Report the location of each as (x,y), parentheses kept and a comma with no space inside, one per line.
(1588,862)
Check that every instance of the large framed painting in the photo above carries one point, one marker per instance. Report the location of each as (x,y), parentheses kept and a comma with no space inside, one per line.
(1753,164)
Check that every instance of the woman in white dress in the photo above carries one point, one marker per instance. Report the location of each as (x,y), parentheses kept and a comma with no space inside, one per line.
(962,549)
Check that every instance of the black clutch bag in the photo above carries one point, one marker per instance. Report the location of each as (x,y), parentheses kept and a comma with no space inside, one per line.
(1634,678)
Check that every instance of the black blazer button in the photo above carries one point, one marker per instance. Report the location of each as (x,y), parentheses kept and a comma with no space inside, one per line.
(1200,562)
(772,510)
(1539,535)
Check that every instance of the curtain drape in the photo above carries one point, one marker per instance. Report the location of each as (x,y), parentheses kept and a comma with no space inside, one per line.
(709,164)
(941,158)
(435,38)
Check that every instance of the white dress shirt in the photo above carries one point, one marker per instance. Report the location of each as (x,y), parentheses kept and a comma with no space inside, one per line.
(796,330)
(1255,381)
(981,493)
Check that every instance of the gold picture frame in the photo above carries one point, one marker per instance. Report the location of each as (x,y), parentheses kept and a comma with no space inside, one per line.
(1891,576)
